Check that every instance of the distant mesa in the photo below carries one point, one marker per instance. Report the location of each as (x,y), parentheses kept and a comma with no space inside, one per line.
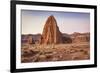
(80,37)
(30,38)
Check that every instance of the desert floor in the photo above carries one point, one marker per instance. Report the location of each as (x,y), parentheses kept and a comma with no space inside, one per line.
(60,52)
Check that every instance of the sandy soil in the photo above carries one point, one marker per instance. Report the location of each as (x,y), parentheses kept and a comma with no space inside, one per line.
(60,52)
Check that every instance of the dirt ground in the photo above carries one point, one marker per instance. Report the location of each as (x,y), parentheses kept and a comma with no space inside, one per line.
(58,52)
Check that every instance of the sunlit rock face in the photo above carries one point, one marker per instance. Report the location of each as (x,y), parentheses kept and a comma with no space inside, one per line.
(51,33)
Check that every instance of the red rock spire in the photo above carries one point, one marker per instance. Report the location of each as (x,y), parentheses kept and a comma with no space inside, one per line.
(51,33)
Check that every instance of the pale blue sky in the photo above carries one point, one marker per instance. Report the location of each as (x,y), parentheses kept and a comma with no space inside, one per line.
(68,22)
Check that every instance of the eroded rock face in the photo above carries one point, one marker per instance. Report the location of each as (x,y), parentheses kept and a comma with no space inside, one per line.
(79,37)
(51,33)
(27,39)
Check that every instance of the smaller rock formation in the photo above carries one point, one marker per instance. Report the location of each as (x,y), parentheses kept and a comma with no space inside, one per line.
(27,39)
(80,37)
